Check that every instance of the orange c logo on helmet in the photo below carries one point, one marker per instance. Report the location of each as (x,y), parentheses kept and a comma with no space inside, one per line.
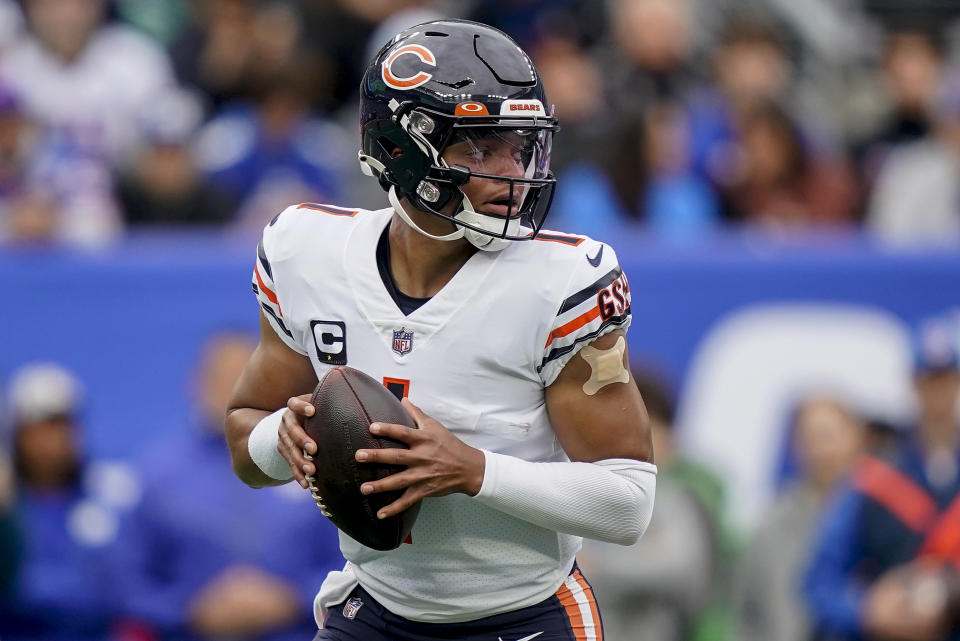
(471,109)
(426,56)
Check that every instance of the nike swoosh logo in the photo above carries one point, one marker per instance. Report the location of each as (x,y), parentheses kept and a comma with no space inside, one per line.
(532,636)
(595,262)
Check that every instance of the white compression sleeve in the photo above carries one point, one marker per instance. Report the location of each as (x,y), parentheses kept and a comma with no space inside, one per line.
(262,446)
(609,500)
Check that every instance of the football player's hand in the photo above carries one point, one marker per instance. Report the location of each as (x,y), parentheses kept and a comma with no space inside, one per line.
(293,441)
(438,463)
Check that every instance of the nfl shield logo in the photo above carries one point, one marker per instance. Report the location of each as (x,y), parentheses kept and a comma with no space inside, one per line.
(351,608)
(402,341)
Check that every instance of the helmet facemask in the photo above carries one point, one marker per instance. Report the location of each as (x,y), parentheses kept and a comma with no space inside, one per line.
(509,154)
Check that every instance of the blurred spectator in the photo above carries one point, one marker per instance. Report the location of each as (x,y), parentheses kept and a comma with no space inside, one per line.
(750,67)
(883,565)
(653,53)
(214,55)
(627,158)
(205,557)
(233,47)
(916,198)
(344,31)
(664,587)
(85,79)
(646,177)
(779,181)
(574,84)
(62,589)
(163,186)
(34,183)
(84,82)
(913,64)
(273,152)
(826,439)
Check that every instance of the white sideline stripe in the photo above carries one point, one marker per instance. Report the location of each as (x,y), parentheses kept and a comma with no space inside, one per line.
(589,625)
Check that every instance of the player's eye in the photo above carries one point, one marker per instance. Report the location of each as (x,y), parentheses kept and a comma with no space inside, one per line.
(480,154)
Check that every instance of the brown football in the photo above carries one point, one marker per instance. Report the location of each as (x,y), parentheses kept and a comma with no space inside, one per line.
(347,401)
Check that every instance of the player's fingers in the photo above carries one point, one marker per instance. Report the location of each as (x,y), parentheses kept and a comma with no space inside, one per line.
(293,460)
(389,455)
(301,405)
(390,483)
(408,435)
(299,464)
(296,445)
(408,498)
(291,425)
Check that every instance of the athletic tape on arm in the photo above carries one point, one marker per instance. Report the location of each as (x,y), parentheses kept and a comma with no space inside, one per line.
(606,366)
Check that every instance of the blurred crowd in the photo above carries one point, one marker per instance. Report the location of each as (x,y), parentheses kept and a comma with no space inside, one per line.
(680,116)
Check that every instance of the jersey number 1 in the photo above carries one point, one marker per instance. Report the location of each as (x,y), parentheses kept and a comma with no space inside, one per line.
(400,387)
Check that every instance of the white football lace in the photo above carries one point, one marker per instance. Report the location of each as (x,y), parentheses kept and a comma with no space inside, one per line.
(314,492)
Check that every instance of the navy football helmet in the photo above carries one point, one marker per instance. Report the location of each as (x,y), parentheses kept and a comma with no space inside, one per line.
(464,86)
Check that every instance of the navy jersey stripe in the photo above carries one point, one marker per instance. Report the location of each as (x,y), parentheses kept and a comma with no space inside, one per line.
(566,349)
(262,255)
(590,290)
(272,313)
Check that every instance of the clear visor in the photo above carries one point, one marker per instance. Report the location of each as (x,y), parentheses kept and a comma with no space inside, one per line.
(510,153)
(508,169)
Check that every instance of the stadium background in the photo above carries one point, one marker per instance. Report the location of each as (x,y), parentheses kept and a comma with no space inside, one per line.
(770,210)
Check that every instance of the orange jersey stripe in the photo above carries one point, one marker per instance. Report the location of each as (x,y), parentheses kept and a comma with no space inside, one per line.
(266,290)
(570,605)
(573,325)
(594,612)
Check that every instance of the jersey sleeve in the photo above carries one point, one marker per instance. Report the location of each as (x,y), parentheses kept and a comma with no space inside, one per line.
(267,288)
(596,301)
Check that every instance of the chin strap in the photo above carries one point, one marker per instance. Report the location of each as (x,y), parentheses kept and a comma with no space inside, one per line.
(399,208)
(467,214)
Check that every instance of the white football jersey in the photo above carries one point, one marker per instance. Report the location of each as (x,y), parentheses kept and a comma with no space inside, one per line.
(477,357)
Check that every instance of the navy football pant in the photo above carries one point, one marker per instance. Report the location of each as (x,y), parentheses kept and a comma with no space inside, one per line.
(569,615)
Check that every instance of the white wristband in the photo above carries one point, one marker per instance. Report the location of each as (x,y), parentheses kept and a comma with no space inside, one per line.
(262,446)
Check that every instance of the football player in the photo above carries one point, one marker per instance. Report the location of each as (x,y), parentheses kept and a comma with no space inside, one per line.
(505,341)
